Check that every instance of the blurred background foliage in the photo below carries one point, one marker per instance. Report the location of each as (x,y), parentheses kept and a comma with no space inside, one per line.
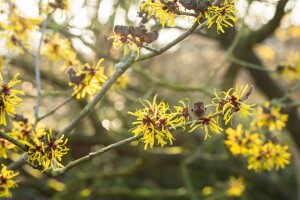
(191,168)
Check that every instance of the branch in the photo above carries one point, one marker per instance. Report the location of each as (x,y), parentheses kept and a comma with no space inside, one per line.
(249,65)
(120,68)
(13,140)
(268,29)
(96,153)
(37,70)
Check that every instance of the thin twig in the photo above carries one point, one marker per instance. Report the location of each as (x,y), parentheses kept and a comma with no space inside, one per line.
(96,153)
(56,108)
(249,65)
(13,140)
(37,70)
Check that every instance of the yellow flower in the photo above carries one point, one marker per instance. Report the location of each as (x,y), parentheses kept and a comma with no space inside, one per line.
(6,181)
(270,116)
(47,151)
(233,102)
(235,187)
(4,146)
(221,15)
(126,44)
(153,121)
(88,80)
(290,69)
(206,123)
(160,11)
(183,112)
(9,98)
(57,49)
(268,157)
(239,142)
(22,128)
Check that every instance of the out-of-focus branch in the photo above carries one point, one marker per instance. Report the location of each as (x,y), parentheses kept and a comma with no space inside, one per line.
(13,140)
(96,153)
(37,70)
(268,29)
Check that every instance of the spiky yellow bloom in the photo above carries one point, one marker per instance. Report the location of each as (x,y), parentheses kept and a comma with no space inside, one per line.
(4,146)
(207,123)
(56,48)
(47,151)
(19,25)
(182,114)
(271,117)
(9,98)
(268,156)
(88,80)
(160,11)
(223,15)
(235,187)
(239,141)
(126,44)
(6,181)
(13,43)
(232,102)
(153,121)
(290,69)
(22,128)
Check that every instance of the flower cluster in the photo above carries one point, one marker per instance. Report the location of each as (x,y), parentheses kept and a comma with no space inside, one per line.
(88,79)
(47,151)
(290,69)
(235,187)
(222,14)
(9,98)
(232,101)
(163,12)
(262,153)
(156,120)
(6,181)
(58,49)
(17,28)
(131,39)
(22,128)
(270,116)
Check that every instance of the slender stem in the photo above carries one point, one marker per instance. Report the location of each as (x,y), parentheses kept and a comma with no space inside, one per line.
(55,109)
(13,140)
(249,65)
(37,70)
(96,153)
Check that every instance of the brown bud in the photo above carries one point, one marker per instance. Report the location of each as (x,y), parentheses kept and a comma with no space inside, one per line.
(140,30)
(150,36)
(121,30)
(199,109)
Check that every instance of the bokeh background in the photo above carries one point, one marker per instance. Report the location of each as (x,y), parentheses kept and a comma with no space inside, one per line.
(191,69)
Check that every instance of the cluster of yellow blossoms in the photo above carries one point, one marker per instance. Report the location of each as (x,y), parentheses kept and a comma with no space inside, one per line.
(156,120)
(47,151)
(290,69)
(6,181)
(222,14)
(16,29)
(263,153)
(234,187)
(9,98)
